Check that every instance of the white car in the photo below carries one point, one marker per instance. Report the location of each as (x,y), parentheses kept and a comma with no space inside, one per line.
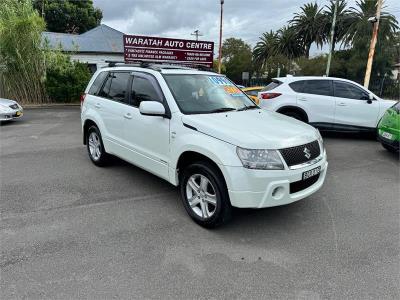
(325,102)
(195,130)
(10,110)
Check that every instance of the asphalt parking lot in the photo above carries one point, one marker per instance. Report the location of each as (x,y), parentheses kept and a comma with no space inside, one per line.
(73,230)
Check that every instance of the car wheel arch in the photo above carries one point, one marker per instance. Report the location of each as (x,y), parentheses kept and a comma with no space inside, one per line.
(290,108)
(88,123)
(189,157)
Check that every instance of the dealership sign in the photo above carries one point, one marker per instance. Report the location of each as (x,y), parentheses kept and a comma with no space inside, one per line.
(156,49)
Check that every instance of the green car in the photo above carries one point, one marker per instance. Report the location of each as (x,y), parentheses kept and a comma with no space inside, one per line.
(389,128)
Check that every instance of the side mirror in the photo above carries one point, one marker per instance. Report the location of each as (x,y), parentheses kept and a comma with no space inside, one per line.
(152,108)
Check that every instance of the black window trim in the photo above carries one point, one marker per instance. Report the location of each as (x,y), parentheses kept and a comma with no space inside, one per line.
(157,87)
(101,85)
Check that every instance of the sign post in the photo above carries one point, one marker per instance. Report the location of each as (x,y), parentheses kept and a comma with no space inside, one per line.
(157,49)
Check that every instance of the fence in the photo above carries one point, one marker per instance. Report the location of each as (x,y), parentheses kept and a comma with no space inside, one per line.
(386,88)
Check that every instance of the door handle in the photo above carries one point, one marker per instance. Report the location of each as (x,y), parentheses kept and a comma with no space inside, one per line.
(342,104)
(128,116)
(303,99)
(97,105)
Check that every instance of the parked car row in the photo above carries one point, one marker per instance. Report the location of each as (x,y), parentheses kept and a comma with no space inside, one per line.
(332,104)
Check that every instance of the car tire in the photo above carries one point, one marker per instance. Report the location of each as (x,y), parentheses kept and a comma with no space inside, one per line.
(390,149)
(95,147)
(209,206)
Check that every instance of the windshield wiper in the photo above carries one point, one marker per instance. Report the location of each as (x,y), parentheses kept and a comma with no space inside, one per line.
(222,109)
(248,107)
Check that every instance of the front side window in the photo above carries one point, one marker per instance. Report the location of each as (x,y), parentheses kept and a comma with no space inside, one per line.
(143,90)
(348,90)
(201,93)
(318,87)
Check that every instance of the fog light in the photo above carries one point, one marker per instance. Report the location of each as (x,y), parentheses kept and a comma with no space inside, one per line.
(278,192)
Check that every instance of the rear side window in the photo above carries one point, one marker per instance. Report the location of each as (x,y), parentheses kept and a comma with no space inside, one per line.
(143,90)
(297,86)
(318,87)
(274,84)
(116,87)
(348,90)
(119,87)
(98,82)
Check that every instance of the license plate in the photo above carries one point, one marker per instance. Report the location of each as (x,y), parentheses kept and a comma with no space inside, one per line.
(387,135)
(311,173)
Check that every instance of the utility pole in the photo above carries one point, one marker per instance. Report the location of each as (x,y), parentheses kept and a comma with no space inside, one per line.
(43,9)
(220,38)
(328,65)
(197,34)
(373,44)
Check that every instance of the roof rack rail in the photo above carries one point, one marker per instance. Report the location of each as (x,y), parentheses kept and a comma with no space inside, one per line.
(159,65)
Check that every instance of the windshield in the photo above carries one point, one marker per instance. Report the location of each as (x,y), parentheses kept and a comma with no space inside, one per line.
(200,93)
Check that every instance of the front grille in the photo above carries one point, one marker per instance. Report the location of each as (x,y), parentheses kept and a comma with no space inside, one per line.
(14,106)
(298,155)
(298,186)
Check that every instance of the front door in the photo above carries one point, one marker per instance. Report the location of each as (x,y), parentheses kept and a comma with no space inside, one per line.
(147,137)
(354,110)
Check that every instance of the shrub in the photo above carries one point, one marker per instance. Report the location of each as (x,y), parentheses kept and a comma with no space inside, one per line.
(65,79)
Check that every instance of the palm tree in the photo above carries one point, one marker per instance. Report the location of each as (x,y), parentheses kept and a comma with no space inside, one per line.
(265,49)
(309,26)
(360,30)
(289,44)
(343,21)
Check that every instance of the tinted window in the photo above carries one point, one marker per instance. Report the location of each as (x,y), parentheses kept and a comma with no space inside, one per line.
(274,84)
(115,87)
(297,86)
(318,87)
(98,82)
(143,90)
(119,87)
(348,90)
(106,87)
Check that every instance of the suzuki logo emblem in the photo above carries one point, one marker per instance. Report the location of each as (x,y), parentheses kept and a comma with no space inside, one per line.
(307,153)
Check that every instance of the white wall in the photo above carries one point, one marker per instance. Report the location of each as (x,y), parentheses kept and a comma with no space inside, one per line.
(95,58)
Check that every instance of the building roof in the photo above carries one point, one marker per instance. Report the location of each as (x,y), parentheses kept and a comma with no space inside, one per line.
(102,39)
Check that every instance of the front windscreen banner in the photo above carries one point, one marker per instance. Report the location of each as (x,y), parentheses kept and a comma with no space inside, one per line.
(157,49)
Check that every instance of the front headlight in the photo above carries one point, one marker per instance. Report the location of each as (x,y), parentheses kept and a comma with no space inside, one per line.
(260,159)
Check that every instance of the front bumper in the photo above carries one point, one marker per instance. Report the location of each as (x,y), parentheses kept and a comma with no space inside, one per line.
(11,115)
(261,188)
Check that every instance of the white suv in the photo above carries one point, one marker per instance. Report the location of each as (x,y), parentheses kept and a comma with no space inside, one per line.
(325,102)
(195,129)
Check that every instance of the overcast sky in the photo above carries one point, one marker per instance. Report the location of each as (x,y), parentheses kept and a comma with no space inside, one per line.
(245,19)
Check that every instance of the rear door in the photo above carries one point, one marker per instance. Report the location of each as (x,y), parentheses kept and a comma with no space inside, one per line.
(111,105)
(353,107)
(315,97)
(147,137)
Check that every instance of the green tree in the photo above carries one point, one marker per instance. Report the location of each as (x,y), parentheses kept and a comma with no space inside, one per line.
(265,50)
(343,22)
(289,45)
(360,30)
(309,26)
(236,56)
(69,16)
(22,58)
(65,79)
